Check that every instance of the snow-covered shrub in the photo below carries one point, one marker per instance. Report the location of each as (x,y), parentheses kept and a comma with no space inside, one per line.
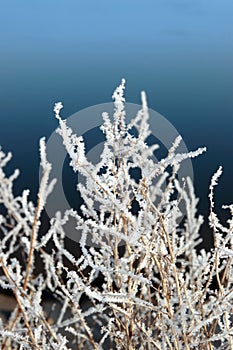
(158,289)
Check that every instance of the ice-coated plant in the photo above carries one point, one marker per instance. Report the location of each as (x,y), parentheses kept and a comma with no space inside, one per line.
(158,291)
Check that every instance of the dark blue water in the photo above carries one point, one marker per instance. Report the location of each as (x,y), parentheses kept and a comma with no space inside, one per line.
(180,52)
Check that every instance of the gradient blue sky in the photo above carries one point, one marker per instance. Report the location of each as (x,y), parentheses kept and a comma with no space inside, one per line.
(179,51)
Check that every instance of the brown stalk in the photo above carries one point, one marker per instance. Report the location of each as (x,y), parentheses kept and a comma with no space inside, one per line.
(28,268)
(21,308)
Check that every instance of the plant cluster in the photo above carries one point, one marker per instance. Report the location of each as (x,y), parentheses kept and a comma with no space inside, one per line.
(157,290)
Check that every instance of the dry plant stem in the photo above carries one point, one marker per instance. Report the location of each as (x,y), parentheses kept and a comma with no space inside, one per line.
(215,322)
(28,268)
(175,273)
(32,244)
(87,329)
(166,294)
(225,313)
(21,309)
(220,283)
(130,329)
(215,244)
(118,278)
(177,281)
(162,275)
(27,272)
(202,311)
(19,303)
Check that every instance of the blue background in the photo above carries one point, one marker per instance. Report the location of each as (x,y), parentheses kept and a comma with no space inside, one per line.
(179,51)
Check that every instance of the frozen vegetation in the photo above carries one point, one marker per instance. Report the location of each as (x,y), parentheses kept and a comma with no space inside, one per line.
(159,291)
